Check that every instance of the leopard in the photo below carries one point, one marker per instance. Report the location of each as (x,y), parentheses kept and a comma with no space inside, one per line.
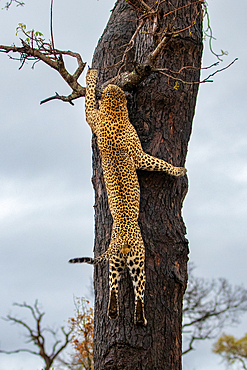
(122,155)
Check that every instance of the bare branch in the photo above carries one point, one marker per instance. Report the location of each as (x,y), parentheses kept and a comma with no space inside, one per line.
(29,53)
(210,306)
(51,29)
(66,341)
(219,70)
(153,56)
(69,98)
(54,347)
(190,345)
(19,350)
(16,321)
(207,79)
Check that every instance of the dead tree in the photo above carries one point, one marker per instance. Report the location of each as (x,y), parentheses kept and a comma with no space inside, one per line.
(37,338)
(208,307)
(165,36)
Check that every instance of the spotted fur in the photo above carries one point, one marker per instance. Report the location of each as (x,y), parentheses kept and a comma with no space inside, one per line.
(122,155)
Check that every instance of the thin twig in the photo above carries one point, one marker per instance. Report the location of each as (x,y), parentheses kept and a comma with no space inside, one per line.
(51,26)
(68,98)
(182,7)
(220,70)
(191,67)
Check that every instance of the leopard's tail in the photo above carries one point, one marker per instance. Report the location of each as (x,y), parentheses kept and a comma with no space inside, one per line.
(82,260)
(92,261)
(111,252)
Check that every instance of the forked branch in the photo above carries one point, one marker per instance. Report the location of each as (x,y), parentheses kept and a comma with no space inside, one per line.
(36,336)
(45,54)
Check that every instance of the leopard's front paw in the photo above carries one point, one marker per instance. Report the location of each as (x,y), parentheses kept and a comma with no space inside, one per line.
(92,76)
(179,171)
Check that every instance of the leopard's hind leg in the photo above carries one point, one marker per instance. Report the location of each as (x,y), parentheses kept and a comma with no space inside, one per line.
(136,266)
(116,266)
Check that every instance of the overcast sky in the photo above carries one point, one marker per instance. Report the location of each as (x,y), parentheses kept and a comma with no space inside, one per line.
(46,197)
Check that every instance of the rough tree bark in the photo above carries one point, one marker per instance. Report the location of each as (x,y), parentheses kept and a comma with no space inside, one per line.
(162,116)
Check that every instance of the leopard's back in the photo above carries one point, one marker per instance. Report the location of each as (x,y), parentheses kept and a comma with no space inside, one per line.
(119,168)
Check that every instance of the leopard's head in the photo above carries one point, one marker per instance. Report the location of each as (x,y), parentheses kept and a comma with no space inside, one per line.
(113,98)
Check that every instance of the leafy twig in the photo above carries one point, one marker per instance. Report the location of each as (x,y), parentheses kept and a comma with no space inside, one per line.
(18,3)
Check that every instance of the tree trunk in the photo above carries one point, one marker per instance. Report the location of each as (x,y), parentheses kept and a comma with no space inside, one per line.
(162,116)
